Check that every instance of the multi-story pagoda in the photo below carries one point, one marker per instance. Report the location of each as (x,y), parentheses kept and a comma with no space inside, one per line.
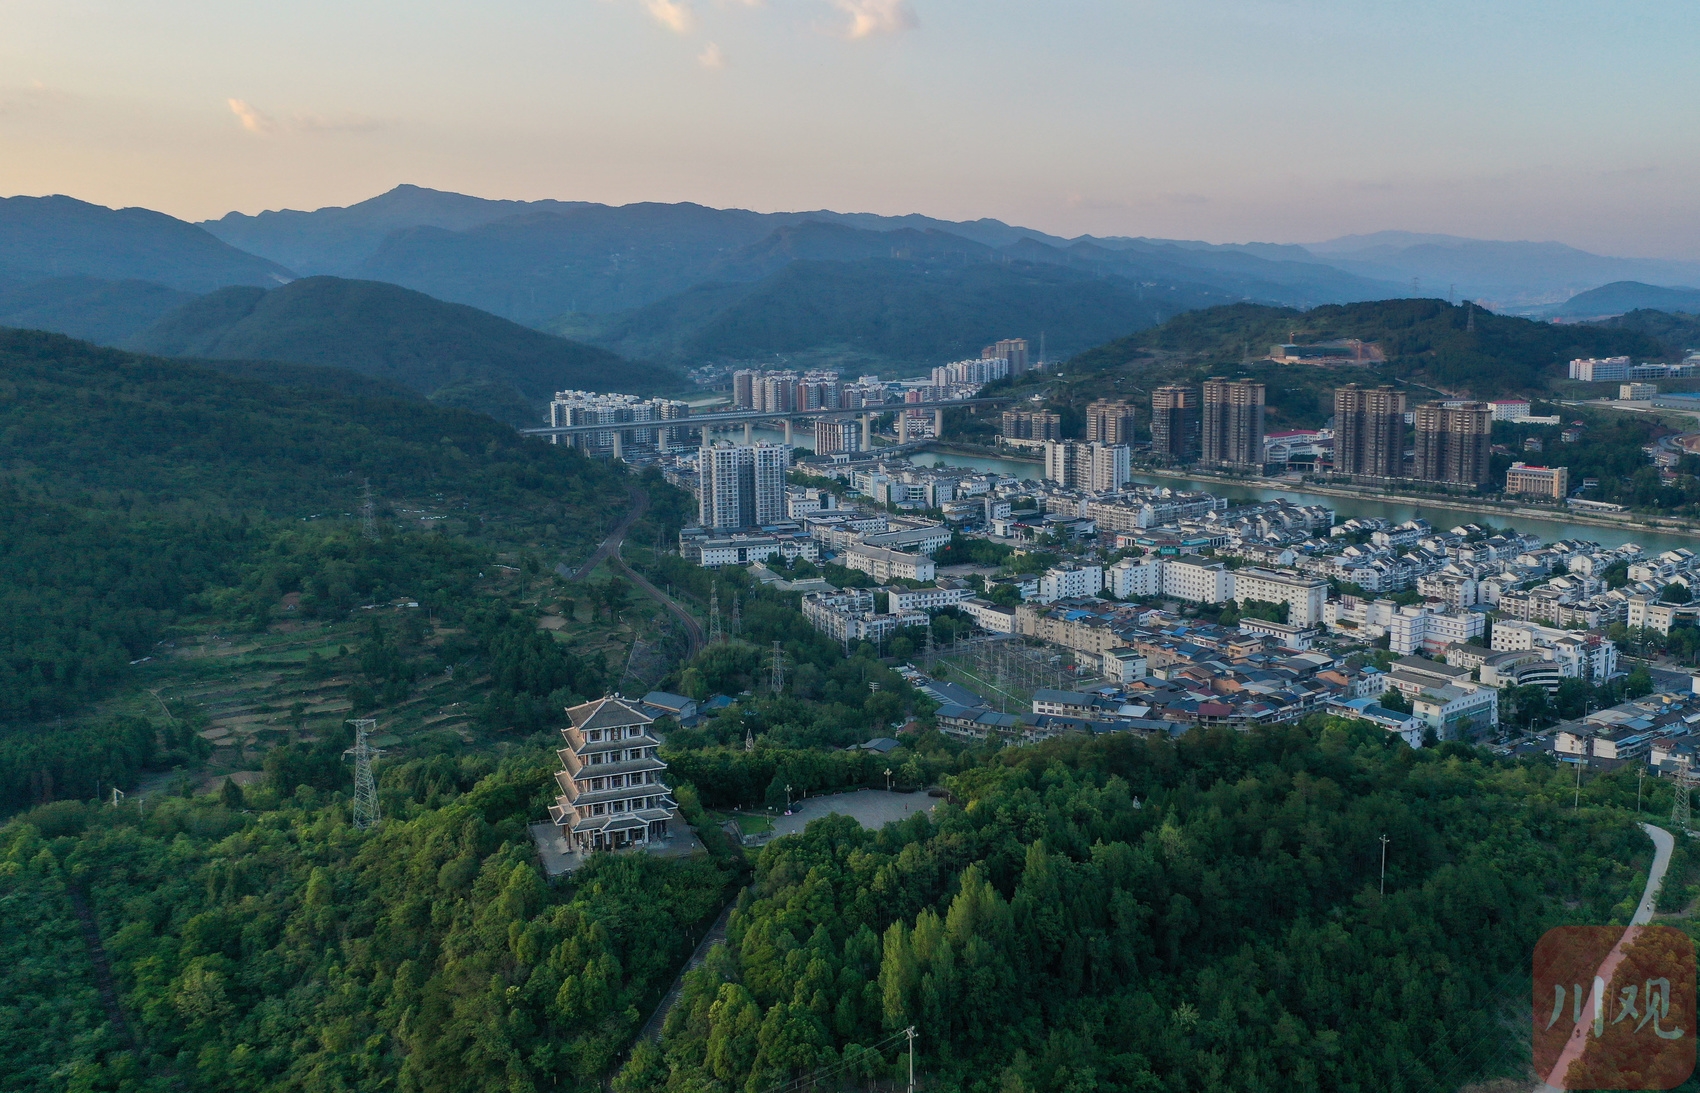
(612,793)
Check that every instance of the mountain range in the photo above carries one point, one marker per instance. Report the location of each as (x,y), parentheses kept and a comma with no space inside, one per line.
(491,304)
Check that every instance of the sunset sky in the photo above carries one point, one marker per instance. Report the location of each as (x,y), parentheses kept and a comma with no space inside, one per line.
(1281,120)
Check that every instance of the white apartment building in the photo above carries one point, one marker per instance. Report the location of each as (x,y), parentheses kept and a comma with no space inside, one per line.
(988,615)
(1579,655)
(1197,581)
(1419,628)
(926,599)
(1124,665)
(742,486)
(1647,611)
(744,549)
(1096,467)
(1131,578)
(886,565)
(1070,579)
(1304,596)
(1455,713)
(801,501)
(1359,617)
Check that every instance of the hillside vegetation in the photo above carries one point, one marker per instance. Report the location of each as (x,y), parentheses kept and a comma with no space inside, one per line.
(1132,915)
(141,496)
(893,312)
(99,311)
(447,351)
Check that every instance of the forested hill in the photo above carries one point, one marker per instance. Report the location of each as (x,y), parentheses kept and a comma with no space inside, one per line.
(132,488)
(1122,915)
(1453,347)
(449,352)
(884,312)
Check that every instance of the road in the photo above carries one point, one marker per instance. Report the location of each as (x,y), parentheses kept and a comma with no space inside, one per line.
(716,934)
(1663,844)
(609,551)
(611,545)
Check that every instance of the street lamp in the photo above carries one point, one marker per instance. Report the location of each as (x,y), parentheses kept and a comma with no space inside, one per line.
(888,779)
(787,797)
(1384,865)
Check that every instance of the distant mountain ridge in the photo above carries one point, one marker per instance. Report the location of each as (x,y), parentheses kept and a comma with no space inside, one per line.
(1621,297)
(49,237)
(449,352)
(536,262)
(883,312)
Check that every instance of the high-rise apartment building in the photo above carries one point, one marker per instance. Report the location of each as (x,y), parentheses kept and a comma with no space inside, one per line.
(1175,423)
(1233,423)
(1369,431)
(595,408)
(1099,468)
(1110,421)
(837,436)
(740,487)
(1454,443)
(1032,425)
(1013,350)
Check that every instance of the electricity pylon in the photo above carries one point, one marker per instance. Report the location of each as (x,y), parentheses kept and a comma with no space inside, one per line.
(365,788)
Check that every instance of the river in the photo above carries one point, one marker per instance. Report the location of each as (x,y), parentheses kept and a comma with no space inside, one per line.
(1347,507)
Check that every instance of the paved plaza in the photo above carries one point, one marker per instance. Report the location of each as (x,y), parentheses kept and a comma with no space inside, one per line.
(872,808)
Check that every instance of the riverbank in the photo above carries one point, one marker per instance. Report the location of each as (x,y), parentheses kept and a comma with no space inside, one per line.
(1652,534)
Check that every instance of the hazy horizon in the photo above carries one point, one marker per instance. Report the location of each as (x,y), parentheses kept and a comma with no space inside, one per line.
(1266,120)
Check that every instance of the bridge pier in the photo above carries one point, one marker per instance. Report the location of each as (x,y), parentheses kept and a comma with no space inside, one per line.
(749,434)
(867,432)
(619,434)
(938,424)
(787,432)
(902,426)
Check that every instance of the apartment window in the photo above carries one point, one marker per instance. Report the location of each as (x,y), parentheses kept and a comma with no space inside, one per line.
(596,810)
(596,759)
(596,783)
(593,734)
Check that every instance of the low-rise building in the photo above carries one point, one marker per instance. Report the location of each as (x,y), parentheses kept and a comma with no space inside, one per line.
(1071,579)
(1304,596)
(1418,628)
(989,616)
(1408,727)
(849,615)
(1647,611)
(1457,714)
(886,565)
(926,599)
(1197,581)
(1530,481)
(1135,578)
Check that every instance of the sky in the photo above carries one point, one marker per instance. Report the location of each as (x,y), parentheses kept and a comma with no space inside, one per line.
(1224,120)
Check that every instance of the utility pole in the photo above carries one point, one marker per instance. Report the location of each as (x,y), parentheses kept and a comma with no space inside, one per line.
(1640,776)
(117,795)
(365,789)
(1577,803)
(1384,865)
(910,1032)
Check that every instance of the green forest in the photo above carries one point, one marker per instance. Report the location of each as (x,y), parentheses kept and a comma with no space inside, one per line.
(1124,914)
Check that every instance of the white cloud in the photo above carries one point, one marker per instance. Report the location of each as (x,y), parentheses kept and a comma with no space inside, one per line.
(252,120)
(711,58)
(675,15)
(256,120)
(871,17)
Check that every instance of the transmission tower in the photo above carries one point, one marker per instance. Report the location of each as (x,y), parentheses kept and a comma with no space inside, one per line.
(714,634)
(365,789)
(778,669)
(1681,816)
(737,615)
(749,738)
(368,513)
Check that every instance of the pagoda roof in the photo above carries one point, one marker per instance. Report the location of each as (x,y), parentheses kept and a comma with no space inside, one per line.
(608,712)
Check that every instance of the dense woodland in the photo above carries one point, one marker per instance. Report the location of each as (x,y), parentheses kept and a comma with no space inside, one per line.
(137,495)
